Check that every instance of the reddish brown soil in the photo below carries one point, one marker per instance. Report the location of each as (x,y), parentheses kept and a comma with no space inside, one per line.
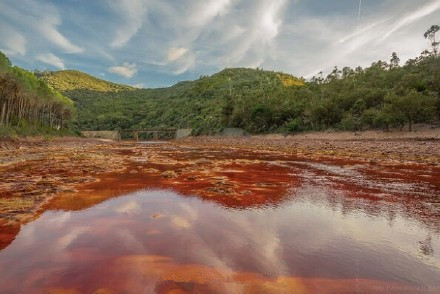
(72,174)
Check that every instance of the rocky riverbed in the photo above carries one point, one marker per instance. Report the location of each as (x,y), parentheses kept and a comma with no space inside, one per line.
(388,181)
(34,171)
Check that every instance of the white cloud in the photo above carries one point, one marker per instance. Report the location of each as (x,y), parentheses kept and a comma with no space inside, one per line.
(185,65)
(270,20)
(14,43)
(133,13)
(219,34)
(51,59)
(412,17)
(47,27)
(43,18)
(127,70)
(252,46)
(359,32)
(176,53)
(207,10)
(181,59)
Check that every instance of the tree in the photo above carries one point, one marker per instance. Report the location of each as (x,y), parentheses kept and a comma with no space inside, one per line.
(395,60)
(228,109)
(5,63)
(431,35)
(357,111)
(414,107)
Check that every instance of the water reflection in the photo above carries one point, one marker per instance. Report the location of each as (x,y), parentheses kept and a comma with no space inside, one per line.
(157,241)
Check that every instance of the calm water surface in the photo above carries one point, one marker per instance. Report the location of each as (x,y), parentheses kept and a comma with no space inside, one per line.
(318,239)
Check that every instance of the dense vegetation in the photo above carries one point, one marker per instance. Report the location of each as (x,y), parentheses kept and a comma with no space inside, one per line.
(28,105)
(381,96)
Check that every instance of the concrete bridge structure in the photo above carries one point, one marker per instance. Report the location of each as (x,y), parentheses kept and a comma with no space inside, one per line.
(171,132)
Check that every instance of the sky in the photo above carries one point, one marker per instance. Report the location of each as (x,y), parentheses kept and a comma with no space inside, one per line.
(157,43)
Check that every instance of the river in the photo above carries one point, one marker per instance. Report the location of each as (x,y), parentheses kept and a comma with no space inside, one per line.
(235,222)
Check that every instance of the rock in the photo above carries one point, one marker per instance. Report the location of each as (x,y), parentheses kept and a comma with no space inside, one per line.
(150,170)
(169,174)
(220,190)
(203,161)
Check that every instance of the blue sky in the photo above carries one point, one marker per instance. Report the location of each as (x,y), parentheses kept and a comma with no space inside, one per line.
(153,43)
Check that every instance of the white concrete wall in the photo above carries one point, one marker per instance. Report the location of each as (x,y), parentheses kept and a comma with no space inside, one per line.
(183,133)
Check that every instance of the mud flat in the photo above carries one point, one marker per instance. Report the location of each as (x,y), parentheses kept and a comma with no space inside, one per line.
(261,215)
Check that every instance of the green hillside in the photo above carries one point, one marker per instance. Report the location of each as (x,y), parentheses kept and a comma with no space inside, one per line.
(203,105)
(67,80)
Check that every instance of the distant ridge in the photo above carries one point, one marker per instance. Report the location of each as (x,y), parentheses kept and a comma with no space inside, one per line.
(67,80)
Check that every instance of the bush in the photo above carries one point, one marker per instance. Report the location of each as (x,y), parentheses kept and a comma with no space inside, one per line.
(7,133)
(348,123)
(293,125)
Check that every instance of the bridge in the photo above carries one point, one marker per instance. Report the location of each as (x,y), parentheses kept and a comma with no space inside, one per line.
(170,132)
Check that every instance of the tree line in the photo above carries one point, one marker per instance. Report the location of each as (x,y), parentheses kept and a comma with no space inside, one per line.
(26,101)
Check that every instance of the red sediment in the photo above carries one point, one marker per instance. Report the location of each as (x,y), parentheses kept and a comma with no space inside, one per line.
(8,232)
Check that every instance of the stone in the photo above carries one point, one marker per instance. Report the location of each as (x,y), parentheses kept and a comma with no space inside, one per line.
(169,174)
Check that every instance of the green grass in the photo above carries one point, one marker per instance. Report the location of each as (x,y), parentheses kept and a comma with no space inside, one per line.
(33,131)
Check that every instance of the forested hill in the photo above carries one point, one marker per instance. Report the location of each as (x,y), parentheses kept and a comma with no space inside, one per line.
(67,80)
(383,95)
(232,97)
